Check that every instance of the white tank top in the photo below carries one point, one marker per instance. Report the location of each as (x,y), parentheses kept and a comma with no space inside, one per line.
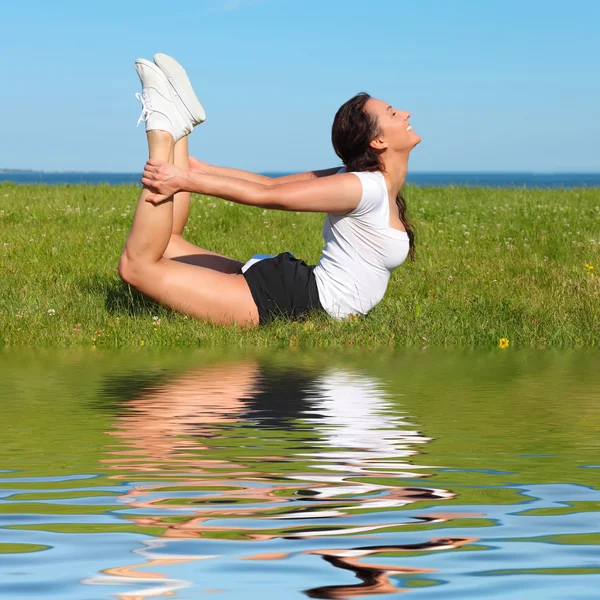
(361,251)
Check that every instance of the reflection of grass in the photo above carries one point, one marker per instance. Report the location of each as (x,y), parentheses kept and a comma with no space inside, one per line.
(39,508)
(492,264)
(484,410)
(59,495)
(416,582)
(21,548)
(91,528)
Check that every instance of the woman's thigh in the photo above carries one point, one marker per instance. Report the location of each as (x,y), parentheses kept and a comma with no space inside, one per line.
(182,251)
(203,293)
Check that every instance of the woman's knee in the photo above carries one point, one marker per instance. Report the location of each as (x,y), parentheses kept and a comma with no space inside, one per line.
(130,270)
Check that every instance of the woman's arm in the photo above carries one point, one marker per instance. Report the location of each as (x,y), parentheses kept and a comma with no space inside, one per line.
(337,194)
(198,166)
(307,175)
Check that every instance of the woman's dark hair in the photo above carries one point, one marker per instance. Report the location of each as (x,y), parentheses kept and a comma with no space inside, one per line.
(352,132)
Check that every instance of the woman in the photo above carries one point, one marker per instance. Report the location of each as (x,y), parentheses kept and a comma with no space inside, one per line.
(367,234)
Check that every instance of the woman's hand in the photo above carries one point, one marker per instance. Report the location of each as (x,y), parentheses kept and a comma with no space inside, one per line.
(163,178)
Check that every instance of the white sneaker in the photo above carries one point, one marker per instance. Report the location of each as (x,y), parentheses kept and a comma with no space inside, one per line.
(159,102)
(186,99)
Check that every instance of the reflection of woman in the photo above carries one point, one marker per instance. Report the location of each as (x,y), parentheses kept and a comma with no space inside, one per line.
(367,234)
(375,576)
(352,432)
(161,421)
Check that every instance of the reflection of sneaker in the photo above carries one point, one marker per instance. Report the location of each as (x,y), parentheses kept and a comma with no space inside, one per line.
(185,98)
(159,104)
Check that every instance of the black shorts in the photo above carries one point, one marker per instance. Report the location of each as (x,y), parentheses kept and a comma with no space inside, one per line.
(283,286)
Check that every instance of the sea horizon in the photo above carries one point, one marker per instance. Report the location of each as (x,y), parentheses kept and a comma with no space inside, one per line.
(492,179)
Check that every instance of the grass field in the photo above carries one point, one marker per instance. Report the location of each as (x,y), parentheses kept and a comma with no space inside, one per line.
(517,264)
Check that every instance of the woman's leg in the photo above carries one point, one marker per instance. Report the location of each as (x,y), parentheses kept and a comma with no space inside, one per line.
(181,250)
(198,291)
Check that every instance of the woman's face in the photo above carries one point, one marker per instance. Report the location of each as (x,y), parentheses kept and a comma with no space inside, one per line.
(396,131)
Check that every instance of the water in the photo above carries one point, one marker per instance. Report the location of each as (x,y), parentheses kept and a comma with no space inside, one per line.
(135,474)
(489,180)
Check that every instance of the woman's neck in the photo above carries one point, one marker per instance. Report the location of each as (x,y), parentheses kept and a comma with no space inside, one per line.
(395,171)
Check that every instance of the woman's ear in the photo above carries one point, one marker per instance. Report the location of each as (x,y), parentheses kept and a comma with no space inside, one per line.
(379,143)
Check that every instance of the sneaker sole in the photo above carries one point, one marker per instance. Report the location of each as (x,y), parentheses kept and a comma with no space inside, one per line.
(180,81)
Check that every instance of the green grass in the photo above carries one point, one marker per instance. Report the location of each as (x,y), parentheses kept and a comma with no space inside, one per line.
(490,264)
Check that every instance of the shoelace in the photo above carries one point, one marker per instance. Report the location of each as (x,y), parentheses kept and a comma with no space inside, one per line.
(147,109)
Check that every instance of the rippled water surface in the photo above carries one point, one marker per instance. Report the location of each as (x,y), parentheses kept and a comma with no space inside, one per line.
(282,475)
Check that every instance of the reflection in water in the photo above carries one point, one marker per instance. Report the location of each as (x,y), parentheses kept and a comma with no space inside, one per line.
(374,577)
(260,482)
(240,453)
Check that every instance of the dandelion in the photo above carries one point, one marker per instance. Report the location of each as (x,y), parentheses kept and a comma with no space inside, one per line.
(589,269)
(141,342)
(503,343)
(51,312)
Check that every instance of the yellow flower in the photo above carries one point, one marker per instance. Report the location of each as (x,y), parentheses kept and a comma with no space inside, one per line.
(309,326)
(503,343)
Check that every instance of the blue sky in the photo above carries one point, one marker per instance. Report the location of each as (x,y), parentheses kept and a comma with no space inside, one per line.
(492,85)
